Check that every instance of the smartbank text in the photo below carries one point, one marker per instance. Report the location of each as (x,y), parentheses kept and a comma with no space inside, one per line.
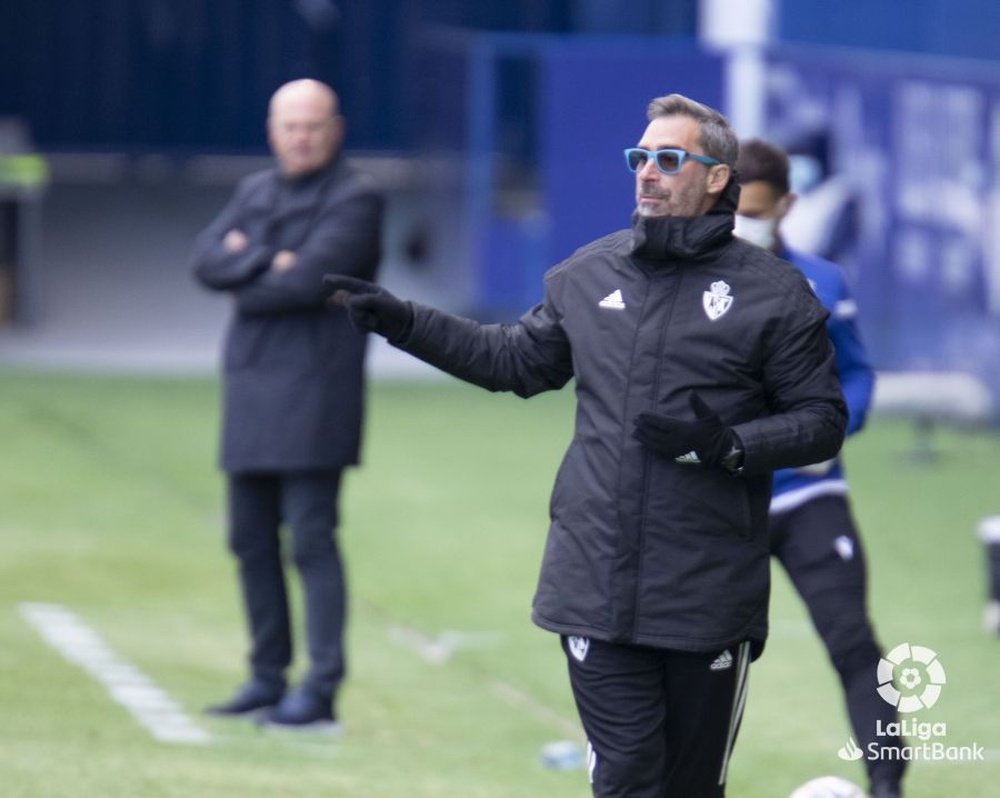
(927,751)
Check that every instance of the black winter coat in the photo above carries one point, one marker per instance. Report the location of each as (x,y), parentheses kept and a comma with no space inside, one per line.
(293,367)
(642,549)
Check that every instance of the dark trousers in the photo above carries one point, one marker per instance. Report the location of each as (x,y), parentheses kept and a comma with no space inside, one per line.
(818,545)
(659,723)
(305,502)
(993,570)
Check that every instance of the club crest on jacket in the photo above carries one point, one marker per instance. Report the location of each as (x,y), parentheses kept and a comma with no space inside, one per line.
(716,301)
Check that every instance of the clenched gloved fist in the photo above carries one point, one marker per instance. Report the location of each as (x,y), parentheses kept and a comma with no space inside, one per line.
(710,441)
(371,307)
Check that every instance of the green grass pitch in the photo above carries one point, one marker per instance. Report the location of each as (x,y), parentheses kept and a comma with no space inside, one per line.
(110,505)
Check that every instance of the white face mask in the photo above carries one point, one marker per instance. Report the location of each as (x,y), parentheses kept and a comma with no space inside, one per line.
(762,232)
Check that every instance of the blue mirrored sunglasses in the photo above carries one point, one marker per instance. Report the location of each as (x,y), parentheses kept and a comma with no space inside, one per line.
(668,160)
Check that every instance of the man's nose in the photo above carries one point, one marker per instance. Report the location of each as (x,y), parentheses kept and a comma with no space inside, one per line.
(649,171)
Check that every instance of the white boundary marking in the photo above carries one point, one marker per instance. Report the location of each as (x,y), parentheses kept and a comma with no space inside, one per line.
(539,711)
(439,650)
(127,685)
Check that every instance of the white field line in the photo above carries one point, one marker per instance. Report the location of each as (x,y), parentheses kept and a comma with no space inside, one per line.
(145,701)
(539,711)
(439,650)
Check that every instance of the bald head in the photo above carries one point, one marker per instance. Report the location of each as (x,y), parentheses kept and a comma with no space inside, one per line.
(308,91)
(304,128)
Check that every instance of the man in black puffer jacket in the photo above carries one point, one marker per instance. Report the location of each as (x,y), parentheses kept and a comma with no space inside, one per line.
(701,365)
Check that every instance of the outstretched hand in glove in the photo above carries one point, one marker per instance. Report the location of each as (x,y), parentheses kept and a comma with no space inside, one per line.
(370,307)
(712,442)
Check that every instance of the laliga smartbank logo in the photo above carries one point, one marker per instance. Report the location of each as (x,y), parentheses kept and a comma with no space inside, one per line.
(910,678)
(919,674)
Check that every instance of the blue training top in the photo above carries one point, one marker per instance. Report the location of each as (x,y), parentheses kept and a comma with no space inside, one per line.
(795,486)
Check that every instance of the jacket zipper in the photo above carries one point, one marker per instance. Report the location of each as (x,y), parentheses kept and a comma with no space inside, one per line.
(647,458)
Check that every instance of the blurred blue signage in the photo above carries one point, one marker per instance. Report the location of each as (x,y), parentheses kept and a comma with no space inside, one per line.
(902,160)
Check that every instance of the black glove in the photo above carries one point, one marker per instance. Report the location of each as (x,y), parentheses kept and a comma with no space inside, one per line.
(371,307)
(714,444)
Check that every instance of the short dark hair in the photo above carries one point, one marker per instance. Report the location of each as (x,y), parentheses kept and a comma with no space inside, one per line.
(761,160)
(717,137)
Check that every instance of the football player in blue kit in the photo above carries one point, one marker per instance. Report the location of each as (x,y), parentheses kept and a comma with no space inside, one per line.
(813,533)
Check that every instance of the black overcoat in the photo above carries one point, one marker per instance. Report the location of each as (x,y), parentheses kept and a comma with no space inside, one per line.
(292,365)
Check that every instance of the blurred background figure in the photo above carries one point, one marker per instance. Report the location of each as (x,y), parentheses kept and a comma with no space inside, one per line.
(989,534)
(813,533)
(292,403)
(824,219)
(23,176)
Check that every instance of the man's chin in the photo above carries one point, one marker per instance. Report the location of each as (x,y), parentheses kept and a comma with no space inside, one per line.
(300,169)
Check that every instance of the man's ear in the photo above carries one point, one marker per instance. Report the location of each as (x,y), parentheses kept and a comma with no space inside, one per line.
(339,131)
(785,204)
(718,177)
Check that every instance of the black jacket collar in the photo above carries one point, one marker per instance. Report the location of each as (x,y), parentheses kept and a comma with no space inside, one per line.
(289,196)
(686,237)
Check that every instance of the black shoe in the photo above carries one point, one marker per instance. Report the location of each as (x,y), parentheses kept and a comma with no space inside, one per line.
(248,699)
(886,789)
(304,710)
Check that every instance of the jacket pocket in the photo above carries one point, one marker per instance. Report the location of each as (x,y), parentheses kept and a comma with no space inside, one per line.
(707,500)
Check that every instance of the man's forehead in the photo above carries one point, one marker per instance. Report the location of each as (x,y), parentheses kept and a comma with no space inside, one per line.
(302,96)
(301,110)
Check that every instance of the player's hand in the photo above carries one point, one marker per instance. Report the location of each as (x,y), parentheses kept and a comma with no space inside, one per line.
(371,307)
(702,440)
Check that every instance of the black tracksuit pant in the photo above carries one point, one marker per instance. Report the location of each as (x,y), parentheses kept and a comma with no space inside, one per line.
(818,545)
(660,723)
(306,502)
